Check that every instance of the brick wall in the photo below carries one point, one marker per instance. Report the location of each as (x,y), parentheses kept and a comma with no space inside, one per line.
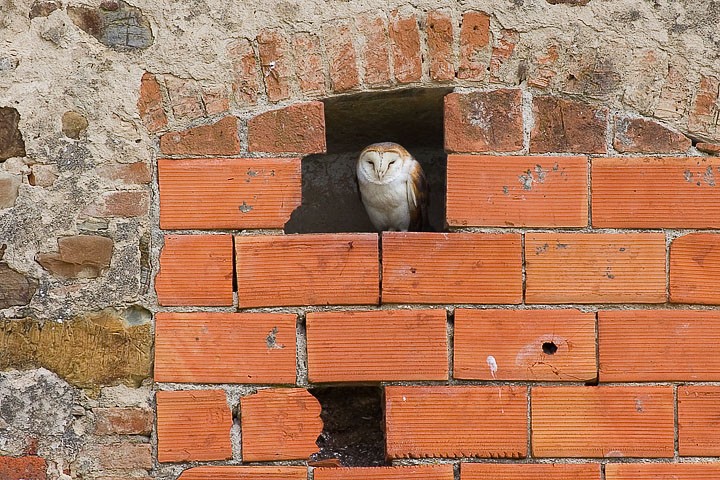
(563,327)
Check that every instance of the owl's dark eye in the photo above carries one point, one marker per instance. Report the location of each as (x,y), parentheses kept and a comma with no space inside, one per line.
(391,163)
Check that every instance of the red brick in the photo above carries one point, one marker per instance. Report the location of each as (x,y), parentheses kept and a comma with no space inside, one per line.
(490,346)
(377,345)
(375,51)
(228,193)
(214,347)
(555,471)
(595,268)
(220,138)
(134,203)
(150,104)
(502,52)
(695,269)
(409,472)
(658,345)
(275,63)
(279,424)
(517,191)
(627,421)
(709,148)
(455,422)
(704,111)
(123,421)
(655,192)
(474,46)
(451,268)
(484,121)
(299,128)
(193,425)
(661,471)
(440,38)
(698,421)
(317,269)
(184,98)
(309,65)
(639,135)
(244,473)
(22,468)
(126,173)
(405,45)
(545,68)
(126,456)
(342,58)
(195,270)
(246,83)
(567,126)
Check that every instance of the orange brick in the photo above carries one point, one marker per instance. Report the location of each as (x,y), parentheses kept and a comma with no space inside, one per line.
(440,37)
(551,345)
(342,58)
(451,268)
(311,70)
(658,345)
(602,421)
(214,347)
(246,82)
(655,192)
(555,471)
(595,268)
(662,471)
(319,269)
(454,422)
(275,64)
(195,270)
(228,193)
(502,52)
(378,345)
(279,424)
(474,46)
(699,421)
(244,473)
(193,425)
(299,128)
(22,468)
(150,104)
(410,472)
(695,269)
(405,44)
(517,191)
(374,48)
(220,138)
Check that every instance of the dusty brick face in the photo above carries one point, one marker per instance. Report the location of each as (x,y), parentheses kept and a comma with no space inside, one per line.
(636,135)
(501,52)
(375,51)
(567,126)
(709,148)
(123,421)
(474,46)
(342,57)
(484,121)
(184,98)
(405,42)
(79,256)
(126,456)
(309,65)
(695,269)
(544,68)
(246,83)
(299,128)
(440,38)
(120,204)
(704,115)
(22,468)
(150,104)
(276,64)
(126,173)
(219,138)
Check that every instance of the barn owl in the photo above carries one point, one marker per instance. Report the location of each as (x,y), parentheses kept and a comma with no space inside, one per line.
(392,187)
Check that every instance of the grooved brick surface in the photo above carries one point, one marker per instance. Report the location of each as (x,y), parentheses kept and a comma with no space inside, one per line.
(699,421)
(244,473)
(279,424)
(551,345)
(695,269)
(410,472)
(299,128)
(195,270)
(214,347)
(595,268)
(605,421)
(382,345)
(193,425)
(219,138)
(456,421)
(554,471)
(655,192)
(315,269)
(513,191)
(662,471)
(451,268)
(659,345)
(225,193)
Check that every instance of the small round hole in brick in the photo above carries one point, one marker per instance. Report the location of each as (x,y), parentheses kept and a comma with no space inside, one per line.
(549,348)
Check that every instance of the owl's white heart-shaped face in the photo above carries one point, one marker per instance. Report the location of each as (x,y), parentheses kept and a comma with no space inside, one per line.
(379,166)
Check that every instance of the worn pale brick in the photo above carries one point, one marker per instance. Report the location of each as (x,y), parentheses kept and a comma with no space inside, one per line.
(440,38)
(456,421)
(150,103)
(215,99)
(704,115)
(698,421)
(299,128)
(555,471)
(126,173)
(219,138)
(695,269)
(133,203)
(501,52)
(408,472)
(484,121)
(374,48)
(474,46)
(309,64)
(674,99)
(638,135)
(244,473)
(276,64)
(126,456)
(184,97)
(405,44)
(342,57)
(605,421)
(123,421)
(544,67)
(567,126)
(709,148)
(246,75)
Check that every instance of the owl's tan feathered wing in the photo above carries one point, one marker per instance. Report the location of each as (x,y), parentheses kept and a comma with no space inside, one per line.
(417,193)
